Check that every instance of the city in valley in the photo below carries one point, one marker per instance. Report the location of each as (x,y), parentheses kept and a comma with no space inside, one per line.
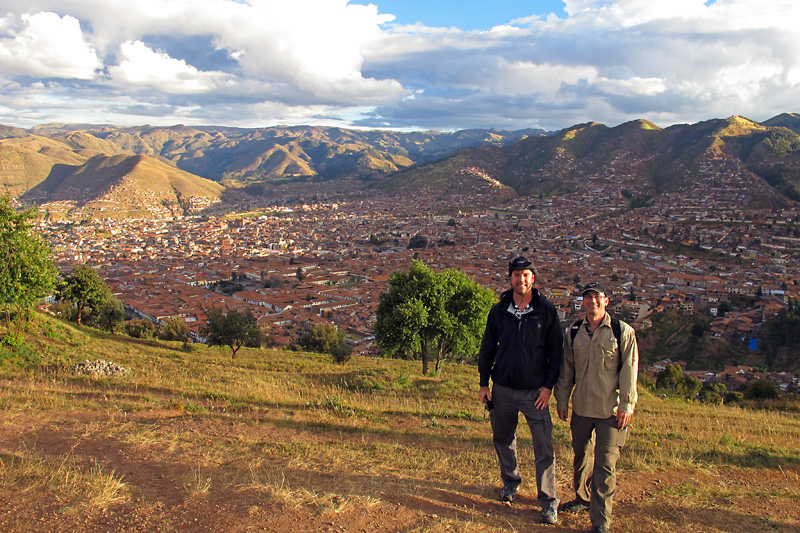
(327,261)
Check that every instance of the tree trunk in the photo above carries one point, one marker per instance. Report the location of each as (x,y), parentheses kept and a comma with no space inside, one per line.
(424,358)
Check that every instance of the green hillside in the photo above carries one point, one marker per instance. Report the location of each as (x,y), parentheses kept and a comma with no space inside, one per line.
(197,441)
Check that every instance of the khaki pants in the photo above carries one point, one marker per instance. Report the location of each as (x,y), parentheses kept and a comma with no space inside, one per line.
(596,442)
(508,403)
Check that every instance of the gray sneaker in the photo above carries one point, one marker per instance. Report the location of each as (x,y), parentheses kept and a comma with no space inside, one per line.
(508,494)
(550,516)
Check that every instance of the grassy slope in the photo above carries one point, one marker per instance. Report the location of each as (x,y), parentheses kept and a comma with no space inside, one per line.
(294,433)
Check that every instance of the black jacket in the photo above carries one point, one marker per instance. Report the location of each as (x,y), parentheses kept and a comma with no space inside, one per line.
(521,353)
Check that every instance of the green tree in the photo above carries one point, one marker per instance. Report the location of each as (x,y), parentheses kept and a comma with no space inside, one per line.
(429,315)
(27,272)
(110,314)
(84,288)
(418,241)
(691,386)
(232,328)
(713,392)
(761,389)
(670,379)
(174,329)
(780,338)
(326,338)
(141,329)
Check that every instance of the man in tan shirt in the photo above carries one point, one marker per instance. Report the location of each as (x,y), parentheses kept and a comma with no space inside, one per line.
(599,370)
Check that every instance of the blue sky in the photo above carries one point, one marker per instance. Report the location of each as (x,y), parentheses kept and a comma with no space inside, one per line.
(396,64)
(466,14)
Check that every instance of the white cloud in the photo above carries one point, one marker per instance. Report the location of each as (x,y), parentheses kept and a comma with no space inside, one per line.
(284,61)
(144,67)
(46,46)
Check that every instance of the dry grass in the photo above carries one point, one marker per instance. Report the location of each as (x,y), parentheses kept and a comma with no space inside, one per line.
(93,484)
(297,431)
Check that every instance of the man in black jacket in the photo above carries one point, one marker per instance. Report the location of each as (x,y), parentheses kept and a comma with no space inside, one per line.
(521,352)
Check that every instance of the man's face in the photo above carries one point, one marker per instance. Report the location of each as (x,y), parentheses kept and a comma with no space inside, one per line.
(594,303)
(522,281)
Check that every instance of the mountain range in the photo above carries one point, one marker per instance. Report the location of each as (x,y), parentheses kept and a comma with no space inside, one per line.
(138,170)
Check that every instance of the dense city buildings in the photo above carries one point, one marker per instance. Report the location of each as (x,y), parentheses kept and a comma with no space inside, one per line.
(328,261)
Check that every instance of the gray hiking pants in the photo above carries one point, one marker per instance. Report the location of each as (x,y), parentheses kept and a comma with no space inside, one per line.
(508,403)
(597,443)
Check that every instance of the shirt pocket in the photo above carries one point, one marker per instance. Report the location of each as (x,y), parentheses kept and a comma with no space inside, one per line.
(611,355)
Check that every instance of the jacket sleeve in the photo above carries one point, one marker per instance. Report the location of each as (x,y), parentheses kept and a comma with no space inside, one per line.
(566,379)
(488,350)
(628,375)
(554,347)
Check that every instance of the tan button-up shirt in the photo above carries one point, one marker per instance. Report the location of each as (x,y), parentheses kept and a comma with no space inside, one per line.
(592,374)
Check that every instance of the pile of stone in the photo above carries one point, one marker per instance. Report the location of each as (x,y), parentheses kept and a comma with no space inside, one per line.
(99,368)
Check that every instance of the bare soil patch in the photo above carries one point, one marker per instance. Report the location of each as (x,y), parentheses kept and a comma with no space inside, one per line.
(166,490)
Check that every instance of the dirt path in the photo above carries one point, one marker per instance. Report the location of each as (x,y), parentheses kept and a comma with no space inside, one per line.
(165,492)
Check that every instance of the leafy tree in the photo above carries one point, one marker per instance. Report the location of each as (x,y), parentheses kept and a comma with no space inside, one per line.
(84,288)
(141,329)
(780,337)
(761,389)
(691,386)
(670,379)
(27,272)
(233,329)
(431,315)
(713,392)
(110,314)
(174,329)
(418,241)
(326,338)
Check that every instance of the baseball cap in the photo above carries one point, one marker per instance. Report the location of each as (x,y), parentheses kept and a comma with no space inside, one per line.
(596,287)
(520,263)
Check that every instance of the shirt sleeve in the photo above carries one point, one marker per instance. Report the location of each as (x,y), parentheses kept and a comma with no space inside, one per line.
(566,379)
(628,375)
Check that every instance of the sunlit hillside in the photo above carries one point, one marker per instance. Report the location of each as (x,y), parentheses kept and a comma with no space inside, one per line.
(193,440)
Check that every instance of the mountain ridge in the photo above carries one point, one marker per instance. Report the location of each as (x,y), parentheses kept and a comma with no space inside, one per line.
(501,164)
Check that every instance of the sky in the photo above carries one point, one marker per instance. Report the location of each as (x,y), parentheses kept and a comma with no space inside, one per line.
(403,65)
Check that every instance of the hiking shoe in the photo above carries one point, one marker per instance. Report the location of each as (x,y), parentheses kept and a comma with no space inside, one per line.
(575,506)
(600,529)
(508,494)
(550,516)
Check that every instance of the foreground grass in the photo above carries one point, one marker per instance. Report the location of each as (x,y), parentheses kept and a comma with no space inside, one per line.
(296,431)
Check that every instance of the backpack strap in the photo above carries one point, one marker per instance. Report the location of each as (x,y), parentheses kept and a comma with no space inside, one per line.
(573,330)
(616,329)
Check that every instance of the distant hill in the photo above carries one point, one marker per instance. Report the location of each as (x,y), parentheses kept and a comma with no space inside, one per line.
(480,165)
(264,154)
(653,159)
(123,186)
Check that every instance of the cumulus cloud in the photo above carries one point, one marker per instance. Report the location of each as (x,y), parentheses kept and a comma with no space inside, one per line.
(260,62)
(46,45)
(143,67)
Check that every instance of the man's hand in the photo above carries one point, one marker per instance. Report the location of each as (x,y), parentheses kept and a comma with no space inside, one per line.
(543,400)
(562,414)
(484,394)
(623,419)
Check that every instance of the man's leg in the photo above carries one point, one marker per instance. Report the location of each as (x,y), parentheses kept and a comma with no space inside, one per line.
(541,426)
(504,418)
(609,440)
(583,462)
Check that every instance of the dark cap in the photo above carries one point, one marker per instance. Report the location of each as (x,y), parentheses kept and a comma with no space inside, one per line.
(520,263)
(596,287)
